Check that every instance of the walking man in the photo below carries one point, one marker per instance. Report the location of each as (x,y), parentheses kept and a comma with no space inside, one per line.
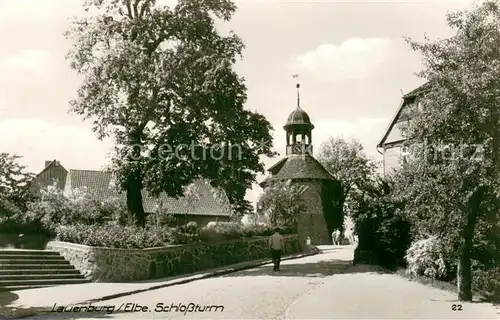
(336,237)
(276,245)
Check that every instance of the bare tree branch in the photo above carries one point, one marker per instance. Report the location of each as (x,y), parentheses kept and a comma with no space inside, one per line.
(129,10)
(136,10)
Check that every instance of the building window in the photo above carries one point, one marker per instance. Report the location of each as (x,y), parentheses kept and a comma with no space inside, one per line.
(420,107)
(405,153)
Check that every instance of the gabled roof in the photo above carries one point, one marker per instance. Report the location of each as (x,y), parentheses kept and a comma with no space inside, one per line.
(51,164)
(297,167)
(43,181)
(100,185)
(405,100)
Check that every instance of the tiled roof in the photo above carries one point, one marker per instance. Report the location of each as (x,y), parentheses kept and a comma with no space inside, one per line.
(297,167)
(100,185)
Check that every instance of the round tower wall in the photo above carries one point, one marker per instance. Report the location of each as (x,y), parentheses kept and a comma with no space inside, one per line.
(312,223)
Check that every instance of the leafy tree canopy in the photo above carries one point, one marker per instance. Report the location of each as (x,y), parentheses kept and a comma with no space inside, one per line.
(348,163)
(282,203)
(14,183)
(455,139)
(160,80)
(451,183)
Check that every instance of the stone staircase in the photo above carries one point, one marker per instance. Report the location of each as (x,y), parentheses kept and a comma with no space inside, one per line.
(27,269)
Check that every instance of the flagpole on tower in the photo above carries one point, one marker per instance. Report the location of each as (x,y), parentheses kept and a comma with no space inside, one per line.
(298,93)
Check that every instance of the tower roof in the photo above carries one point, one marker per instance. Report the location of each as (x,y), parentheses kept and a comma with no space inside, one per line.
(297,167)
(298,117)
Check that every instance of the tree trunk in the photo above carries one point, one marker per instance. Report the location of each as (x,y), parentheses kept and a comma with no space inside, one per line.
(341,213)
(134,198)
(464,270)
(134,179)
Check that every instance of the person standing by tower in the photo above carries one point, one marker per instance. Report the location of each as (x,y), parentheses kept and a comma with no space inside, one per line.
(276,245)
(336,237)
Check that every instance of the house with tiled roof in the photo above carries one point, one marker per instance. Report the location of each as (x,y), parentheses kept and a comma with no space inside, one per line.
(100,185)
(300,167)
(391,142)
(53,173)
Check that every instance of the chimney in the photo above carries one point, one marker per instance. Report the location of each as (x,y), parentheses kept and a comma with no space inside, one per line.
(47,162)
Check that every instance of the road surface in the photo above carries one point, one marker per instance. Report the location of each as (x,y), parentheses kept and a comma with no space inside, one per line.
(324,286)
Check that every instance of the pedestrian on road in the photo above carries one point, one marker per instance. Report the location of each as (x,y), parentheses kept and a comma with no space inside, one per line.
(276,245)
(336,237)
(350,236)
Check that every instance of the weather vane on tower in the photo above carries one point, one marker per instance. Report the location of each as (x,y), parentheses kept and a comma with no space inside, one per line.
(298,87)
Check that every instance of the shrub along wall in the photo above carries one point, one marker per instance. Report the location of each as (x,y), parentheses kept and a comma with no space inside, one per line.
(114,265)
(21,241)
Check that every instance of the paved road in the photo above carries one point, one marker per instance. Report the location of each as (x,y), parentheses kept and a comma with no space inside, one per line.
(324,286)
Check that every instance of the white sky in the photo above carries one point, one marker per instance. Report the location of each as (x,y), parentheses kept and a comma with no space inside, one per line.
(350,56)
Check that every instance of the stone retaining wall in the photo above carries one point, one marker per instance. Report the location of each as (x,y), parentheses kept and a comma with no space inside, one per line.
(118,265)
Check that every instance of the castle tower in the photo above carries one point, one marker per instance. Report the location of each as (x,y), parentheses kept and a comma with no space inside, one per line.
(319,218)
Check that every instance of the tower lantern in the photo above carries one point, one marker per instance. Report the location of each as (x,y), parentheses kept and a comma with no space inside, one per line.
(298,130)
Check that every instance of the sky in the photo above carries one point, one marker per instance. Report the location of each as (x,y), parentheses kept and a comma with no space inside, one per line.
(351,58)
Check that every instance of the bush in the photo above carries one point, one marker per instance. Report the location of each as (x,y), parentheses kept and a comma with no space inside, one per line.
(186,234)
(221,231)
(17,225)
(487,283)
(433,258)
(161,217)
(53,209)
(113,235)
(384,234)
(427,258)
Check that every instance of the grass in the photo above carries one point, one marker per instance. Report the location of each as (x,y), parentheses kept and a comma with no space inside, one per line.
(443,285)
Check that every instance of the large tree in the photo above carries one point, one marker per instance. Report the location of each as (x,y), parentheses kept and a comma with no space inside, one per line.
(14,183)
(451,183)
(160,80)
(348,163)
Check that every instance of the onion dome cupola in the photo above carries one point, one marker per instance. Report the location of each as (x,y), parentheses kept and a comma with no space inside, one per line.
(298,130)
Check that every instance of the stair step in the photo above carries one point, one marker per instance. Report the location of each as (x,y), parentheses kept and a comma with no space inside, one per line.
(23,260)
(38,271)
(35,282)
(23,277)
(27,252)
(30,257)
(27,269)
(31,265)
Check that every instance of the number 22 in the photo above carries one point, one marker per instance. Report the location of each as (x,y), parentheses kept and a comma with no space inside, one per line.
(456,307)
